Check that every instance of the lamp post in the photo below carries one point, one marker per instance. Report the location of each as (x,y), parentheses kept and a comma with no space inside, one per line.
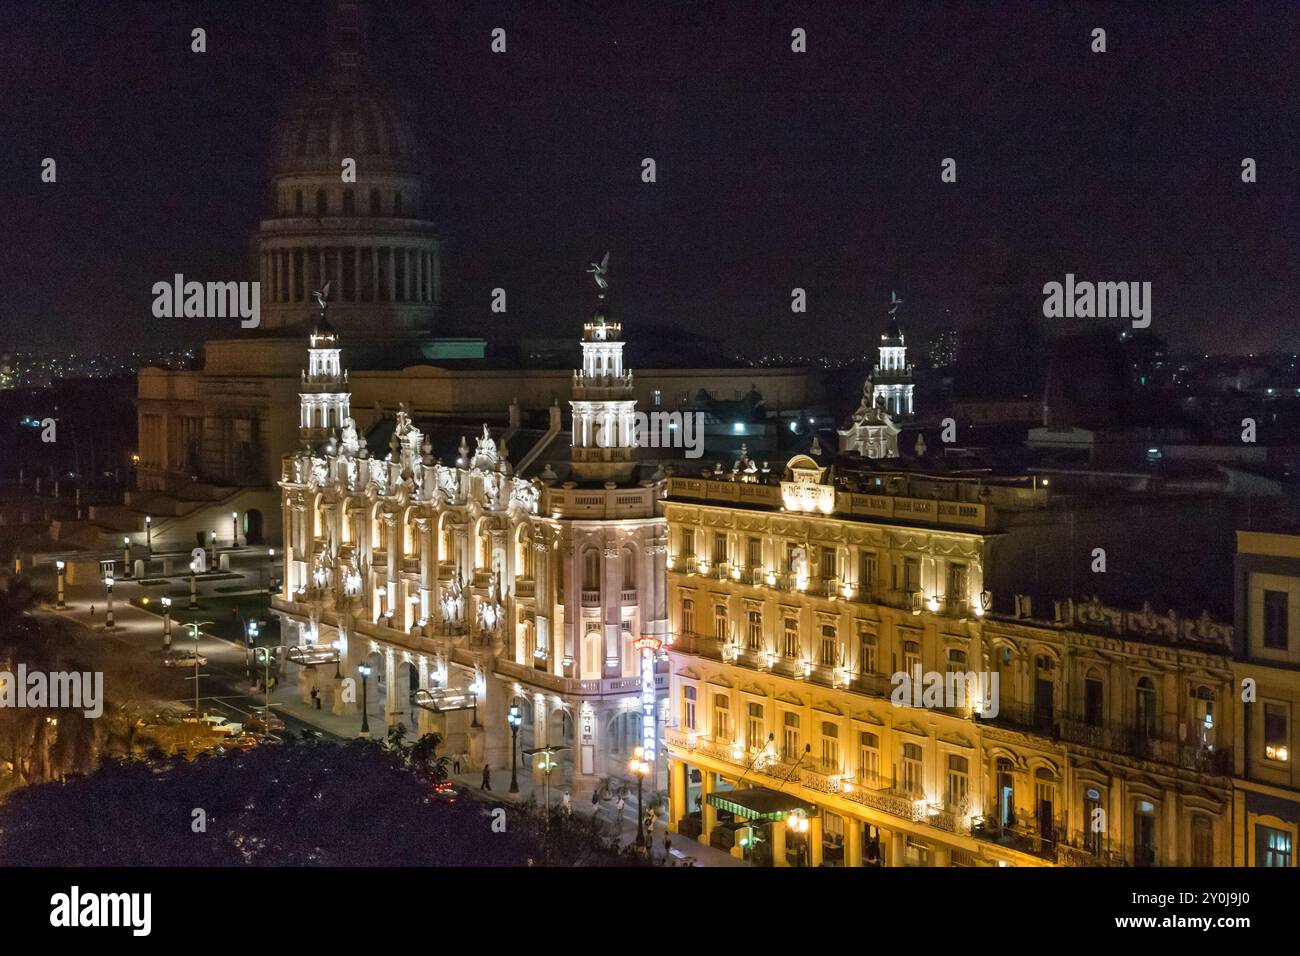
(212,537)
(263,656)
(234,529)
(270,570)
(194,629)
(126,556)
(194,586)
(108,583)
(148,535)
(364,671)
(61,569)
(515,720)
(639,767)
(798,824)
(166,603)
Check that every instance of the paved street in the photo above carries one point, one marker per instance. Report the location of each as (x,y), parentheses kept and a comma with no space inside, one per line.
(225,686)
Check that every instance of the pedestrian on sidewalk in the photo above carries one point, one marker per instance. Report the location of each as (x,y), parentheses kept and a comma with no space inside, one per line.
(566,804)
(92,612)
(595,802)
(487,779)
(455,762)
(315,698)
(618,815)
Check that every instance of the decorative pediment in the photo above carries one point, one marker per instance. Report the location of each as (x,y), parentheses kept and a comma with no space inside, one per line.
(719,680)
(688,673)
(786,697)
(826,707)
(907,727)
(956,740)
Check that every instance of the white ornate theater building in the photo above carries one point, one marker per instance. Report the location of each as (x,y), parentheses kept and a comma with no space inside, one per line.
(468,583)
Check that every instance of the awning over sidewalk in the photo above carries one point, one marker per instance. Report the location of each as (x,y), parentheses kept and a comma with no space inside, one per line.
(759,803)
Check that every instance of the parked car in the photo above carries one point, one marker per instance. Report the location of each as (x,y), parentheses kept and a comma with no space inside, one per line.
(264,722)
(183,659)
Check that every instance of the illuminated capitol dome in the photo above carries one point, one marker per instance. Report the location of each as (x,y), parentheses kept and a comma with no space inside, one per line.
(370,239)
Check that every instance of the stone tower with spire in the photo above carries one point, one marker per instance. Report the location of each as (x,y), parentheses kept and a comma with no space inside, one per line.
(323,396)
(604,405)
(891,379)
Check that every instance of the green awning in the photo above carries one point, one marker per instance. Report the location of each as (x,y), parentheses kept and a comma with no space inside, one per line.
(759,803)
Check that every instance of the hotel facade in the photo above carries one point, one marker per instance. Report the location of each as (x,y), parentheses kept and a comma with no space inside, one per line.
(795,598)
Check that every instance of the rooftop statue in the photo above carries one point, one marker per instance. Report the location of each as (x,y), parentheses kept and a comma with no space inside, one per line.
(598,272)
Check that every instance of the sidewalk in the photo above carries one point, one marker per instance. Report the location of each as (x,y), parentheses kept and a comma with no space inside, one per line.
(348,727)
(687,846)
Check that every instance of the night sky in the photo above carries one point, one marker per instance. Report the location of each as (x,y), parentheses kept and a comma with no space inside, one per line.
(775,169)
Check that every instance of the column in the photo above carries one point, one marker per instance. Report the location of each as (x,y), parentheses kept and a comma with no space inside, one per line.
(394,707)
(896,855)
(814,837)
(394,547)
(292,275)
(852,842)
(677,790)
(374,273)
(392,274)
(437,277)
(776,829)
(708,813)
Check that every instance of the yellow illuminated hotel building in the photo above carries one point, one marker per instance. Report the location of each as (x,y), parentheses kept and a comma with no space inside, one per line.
(1082,734)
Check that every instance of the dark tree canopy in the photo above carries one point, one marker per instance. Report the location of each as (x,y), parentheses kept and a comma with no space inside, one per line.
(311,804)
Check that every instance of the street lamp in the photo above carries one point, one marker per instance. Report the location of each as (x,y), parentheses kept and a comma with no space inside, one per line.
(515,720)
(639,767)
(798,824)
(61,568)
(234,529)
(364,671)
(212,537)
(194,585)
(194,629)
(148,534)
(166,603)
(270,570)
(108,583)
(126,556)
(263,656)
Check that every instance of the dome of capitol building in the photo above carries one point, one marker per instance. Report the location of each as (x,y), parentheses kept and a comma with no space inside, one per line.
(372,238)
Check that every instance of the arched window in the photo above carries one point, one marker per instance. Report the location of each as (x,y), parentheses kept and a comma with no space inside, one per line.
(1203,717)
(591,570)
(1045,791)
(629,569)
(688,707)
(1094,698)
(688,616)
(1202,840)
(830,646)
(1145,708)
(910,776)
(869,760)
(830,746)
(958,782)
(790,736)
(349,203)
